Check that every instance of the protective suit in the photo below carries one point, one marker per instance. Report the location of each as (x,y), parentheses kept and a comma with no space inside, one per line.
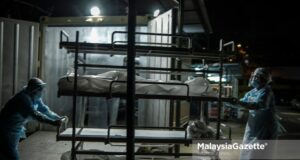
(24,106)
(262,122)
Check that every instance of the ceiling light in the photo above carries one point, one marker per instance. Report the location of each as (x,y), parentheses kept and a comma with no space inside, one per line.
(95,11)
(216,79)
(156,13)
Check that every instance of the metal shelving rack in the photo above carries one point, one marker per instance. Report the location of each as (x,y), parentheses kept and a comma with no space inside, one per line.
(77,48)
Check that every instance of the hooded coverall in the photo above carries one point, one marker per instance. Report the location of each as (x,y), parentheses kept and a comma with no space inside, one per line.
(16,113)
(262,123)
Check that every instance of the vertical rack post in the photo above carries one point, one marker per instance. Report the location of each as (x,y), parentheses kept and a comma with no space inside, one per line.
(179,44)
(73,152)
(130,96)
(220,89)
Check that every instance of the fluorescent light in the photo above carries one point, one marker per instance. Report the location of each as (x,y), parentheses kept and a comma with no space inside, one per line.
(94,19)
(197,69)
(216,79)
(89,20)
(95,11)
(156,13)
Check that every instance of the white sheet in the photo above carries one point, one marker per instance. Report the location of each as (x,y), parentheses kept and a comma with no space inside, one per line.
(121,133)
(100,84)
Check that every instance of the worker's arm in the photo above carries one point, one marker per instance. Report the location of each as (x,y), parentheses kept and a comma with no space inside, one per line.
(44,109)
(42,118)
(247,105)
(243,102)
(28,106)
(262,101)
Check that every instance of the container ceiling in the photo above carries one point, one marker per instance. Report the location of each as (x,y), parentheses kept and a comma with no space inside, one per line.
(195,14)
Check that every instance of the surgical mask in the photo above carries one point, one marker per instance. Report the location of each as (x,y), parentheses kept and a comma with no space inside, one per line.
(37,95)
(255,83)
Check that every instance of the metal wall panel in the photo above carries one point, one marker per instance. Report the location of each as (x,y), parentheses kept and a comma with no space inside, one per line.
(8,62)
(16,58)
(1,59)
(23,57)
(157,111)
(57,63)
(18,40)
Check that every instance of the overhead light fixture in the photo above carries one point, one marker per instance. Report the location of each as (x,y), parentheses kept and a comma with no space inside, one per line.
(89,20)
(95,11)
(156,13)
(94,19)
(216,79)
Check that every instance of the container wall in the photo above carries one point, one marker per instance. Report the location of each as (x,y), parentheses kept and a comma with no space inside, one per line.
(157,111)
(18,55)
(57,63)
(18,58)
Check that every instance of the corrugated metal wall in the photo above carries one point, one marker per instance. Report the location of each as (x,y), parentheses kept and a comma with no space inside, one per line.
(57,63)
(157,111)
(19,61)
(18,55)
(18,58)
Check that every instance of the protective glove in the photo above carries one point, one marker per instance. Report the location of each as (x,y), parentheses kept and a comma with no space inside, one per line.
(59,121)
(64,118)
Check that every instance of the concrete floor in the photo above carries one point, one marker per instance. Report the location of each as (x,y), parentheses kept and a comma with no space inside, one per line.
(43,145)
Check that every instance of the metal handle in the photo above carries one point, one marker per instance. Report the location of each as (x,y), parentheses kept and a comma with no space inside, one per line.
(229,130)
(63,34)
(228,44)
(62,126)
(153,34)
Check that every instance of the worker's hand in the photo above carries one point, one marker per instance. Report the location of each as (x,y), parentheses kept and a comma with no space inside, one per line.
(61,120)
(64,118)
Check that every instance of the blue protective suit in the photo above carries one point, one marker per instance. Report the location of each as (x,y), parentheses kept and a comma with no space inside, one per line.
(262,122)
(16,113)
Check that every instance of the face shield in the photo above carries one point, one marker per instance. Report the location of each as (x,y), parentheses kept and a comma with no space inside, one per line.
(254,81)
(259,78)
(35,87)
